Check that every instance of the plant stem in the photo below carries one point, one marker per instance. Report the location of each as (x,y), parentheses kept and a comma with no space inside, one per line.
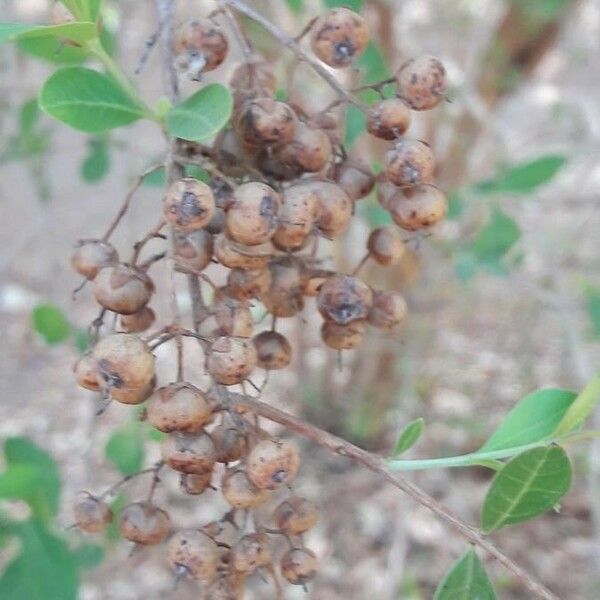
(581,408)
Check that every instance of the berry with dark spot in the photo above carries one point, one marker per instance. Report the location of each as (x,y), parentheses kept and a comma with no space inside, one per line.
(92,255)
(230,443)
(240,492)
(297,217)
(189,204)
(308,151)
(92,515)
(195,552)
(385,246)
(343,337)
(189,453)
(389,309)
(266,121)
(295,515)
(285,296)
(299,566)
(422,82)
(233,317)
(419,207)
(231,360)
(388,119)
(273,350)
(195,483)
(343,299)
(251,552)
(192,250)
(199,46)
(87,374)
(272,463)
(144,523)
(245,284)
(409,162)
(123,289)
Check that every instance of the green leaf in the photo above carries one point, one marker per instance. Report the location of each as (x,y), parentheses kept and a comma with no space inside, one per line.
(202,115)
(466,580)
(126,448)
(581,407)
(51,323)
(96,164)
(76,32)
(45,569)
(523,178)
(355,5)
(11,31)
(409,436)
(29,116)
(533,419)
(88,100)
(528,485)
(356,123)
(92,9)
(89,556)
(82,340)
(592,299)
(19,482)
(372,65)
(52,50)
(112,532)
(296,6)
(496,238)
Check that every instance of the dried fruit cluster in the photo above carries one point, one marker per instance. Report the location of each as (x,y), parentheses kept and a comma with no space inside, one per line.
(280,181)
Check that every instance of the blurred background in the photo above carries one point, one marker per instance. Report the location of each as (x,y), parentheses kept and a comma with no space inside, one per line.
(504,297)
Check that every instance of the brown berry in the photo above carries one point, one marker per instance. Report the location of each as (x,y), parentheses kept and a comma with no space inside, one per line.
(138,321)
(231,360)
(189,453)
(387,193)
(179,407)
(315,279)
(295,515)
(253,75)
(195,483)
(388,119)
(356,178)
(87,373)
(422,82)
(232,155)
(339,36)
(308,151)
(273,350)
(225,587)
(389,309)
(343,299)
(230,443)
(272,463)
(195,552)
(419,207)
(231,254)
(233,317)
(285,298)
(240,492)
(245,284)
(122,289)
(144,523)
(189,204)
(266,121)
(299,566)
(343,337)
(409,162)
(297,217)
(251,552)
(199,46)
(334,208)
(92,255)
(385,246)
(251,218)
(192,250)
(92,514)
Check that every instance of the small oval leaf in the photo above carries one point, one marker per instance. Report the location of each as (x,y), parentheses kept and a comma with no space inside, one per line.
(409,436)
(50,322)
(88,100)
(126,448)
(528,485)
(466,580)
(202,115)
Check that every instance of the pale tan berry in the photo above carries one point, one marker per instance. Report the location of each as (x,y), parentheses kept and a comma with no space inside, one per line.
(240,492)
(343,299)
(419,207)
(253,75)
(295,515)
(195,483)
(388,310)
(285,296)
(192,250)
(388,119)
(409,162)
(231,360)
(195,552)
(334,209)
(230,443)
(272,463)
(387,193)
(123,289)
(138,321)
(199,46)
(356,178)
(343,337)
(251,552)
(144,523)
(92,515)
(266,121)
(297,217)
(233,318)
(188,453)
(273,350)
(92,255)
(422,82)
(299,566)
(385,246)
(189,204)
(309,150)
(231,254)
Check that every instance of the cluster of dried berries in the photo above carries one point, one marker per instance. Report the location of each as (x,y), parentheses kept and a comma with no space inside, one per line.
(283,181)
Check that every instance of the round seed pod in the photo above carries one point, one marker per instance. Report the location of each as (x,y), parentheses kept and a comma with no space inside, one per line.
(334,209)
(299,566)
(330,124)
(195,484)
(87,373)
(308,151)
(90,256)
(266,121)
(189,453)
(343,337)
(356,178)
(339,36)
(245,284)
(422,82)
(343,299)
(231,360)
(284,298)
(295,515)
(272,463)
(419,207)
(388,119)
(297,217)
(233,318)
(385,246)
(192,250)
(232,255)
(389,309)
(232,155)
(179,407)
(122,289)
(199,46)
(92,515)
(189,204)
(125,364)
(387,193)
(252,217)
(269,163)
(315,279)
(409,162)
(251,552)
(230,443)
(144,523)
(195,552)
(240,492)
(273,350)
(253,75)
(134,396)
(138,321)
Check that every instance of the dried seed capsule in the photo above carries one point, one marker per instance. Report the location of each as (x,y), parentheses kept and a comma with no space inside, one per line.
(251,552)
(245,284)
(192,250)
(179,407)
(232,155)
(92,255)
(253,75)
(339,36)
(125,364)
(189,453)
(138,321)
(343,299)
(295,515)
(343,337)
(92,514)
(230,443)
(195,552)
(308,151)
(251,219)
(233,318)
(273,350)
(334,209)
(266,121)
(231,360)
(272,463)
(144,523)
(389,309)
(284,298)
(422,82)
(240,492)
(385,246)
(199,46)
(87,373)
(232,255)
(419,207)
(122,289)
(409,162)
(297,217)
(356,178)
(189,204)
(388,119)
(299,566)
(195,483)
